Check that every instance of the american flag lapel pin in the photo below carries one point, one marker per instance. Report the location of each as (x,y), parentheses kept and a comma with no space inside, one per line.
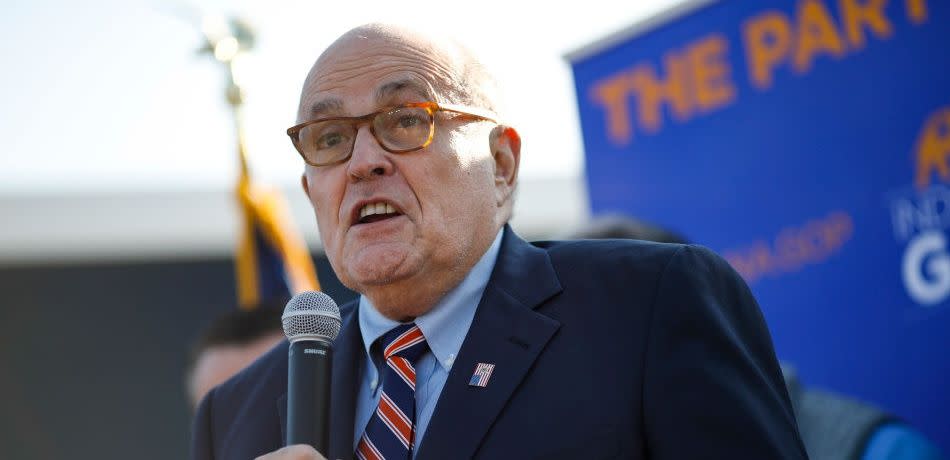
(482,374)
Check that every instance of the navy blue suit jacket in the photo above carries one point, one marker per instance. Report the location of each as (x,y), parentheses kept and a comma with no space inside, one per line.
(602,349)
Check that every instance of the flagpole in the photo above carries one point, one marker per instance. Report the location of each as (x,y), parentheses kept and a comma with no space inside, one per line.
(267,227)
(227,42)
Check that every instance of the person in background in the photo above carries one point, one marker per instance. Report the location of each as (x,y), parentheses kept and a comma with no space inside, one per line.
(230,343)
(617,226)
(833,426)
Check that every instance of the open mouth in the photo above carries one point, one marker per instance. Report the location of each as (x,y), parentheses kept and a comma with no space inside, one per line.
(376,212)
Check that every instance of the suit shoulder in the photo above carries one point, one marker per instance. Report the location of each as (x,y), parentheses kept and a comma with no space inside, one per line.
(268,370)
(611,253)
(703,265)
(609,269)
(637,267)
(633,252)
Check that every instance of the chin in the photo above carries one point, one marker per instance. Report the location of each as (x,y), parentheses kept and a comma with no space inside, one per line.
(373,268)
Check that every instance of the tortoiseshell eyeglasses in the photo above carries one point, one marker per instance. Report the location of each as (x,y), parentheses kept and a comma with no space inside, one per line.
(400,129)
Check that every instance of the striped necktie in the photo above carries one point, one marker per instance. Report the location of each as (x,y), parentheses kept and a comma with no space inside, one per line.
(390,432)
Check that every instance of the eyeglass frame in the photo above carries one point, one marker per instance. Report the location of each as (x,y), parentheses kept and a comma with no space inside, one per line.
(431,107)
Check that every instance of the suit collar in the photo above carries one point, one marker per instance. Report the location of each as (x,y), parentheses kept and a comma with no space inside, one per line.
(524,272)
(506,332)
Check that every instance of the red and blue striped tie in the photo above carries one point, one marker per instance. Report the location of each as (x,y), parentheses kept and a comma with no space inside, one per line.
(391,431)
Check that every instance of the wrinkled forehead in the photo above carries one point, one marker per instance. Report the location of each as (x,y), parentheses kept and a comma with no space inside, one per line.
(361,73)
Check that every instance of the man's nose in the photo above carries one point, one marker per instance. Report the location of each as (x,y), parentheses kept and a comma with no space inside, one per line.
(369,159)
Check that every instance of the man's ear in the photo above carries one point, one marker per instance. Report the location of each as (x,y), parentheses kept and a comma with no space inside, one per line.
(505,143)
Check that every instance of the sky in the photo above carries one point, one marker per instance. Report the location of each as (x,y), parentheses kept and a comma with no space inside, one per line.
(109,95)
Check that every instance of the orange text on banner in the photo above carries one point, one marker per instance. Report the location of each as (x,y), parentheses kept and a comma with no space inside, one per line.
(772,39)
(698,78)
(793,247)
(692,80)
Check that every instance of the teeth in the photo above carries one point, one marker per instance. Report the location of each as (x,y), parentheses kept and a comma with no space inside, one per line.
(376,208)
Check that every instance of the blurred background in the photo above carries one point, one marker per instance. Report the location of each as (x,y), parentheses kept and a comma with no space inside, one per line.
(807,141)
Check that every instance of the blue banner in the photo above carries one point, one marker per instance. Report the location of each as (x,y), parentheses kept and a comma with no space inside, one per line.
(808,142)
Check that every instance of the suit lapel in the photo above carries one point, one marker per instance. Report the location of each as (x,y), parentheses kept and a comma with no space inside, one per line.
(347,357)
(506,332)
(343,388)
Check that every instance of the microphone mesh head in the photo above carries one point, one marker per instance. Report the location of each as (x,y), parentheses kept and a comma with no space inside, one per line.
(311,315)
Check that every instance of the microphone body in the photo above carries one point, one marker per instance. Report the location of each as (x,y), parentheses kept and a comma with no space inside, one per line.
(311,322)
(308,393)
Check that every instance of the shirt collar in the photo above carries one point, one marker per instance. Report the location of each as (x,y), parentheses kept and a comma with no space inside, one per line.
(445,325)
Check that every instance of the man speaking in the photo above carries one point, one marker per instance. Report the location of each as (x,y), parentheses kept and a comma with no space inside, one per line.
(468,342)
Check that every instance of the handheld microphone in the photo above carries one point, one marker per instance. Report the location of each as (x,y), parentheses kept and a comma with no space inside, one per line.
(311,322)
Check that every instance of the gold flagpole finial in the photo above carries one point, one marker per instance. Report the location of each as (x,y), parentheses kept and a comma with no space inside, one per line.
(228,40)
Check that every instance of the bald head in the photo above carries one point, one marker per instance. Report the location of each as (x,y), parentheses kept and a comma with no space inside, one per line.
(436,208)
(456,74)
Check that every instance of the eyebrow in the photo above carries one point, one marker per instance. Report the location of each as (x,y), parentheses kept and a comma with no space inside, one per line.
(389,89)
(326,105)
(384,92)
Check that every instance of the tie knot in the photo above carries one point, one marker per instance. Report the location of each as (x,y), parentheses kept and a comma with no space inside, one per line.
(405,341)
